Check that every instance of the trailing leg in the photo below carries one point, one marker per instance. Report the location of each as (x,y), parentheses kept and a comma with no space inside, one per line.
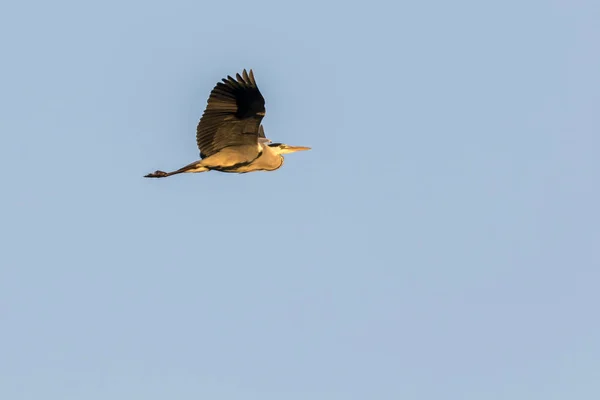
(193,168)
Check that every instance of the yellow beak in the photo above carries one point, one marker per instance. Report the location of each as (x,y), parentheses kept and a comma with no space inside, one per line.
(293,149)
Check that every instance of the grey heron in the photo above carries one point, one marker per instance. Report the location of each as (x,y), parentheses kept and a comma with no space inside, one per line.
(230,135)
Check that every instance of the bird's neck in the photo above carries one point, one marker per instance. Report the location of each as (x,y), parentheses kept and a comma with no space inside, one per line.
(272,156)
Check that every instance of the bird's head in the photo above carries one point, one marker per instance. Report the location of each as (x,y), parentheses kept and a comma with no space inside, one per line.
(281,148)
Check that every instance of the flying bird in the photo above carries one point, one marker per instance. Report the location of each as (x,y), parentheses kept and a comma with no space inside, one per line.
(230,135)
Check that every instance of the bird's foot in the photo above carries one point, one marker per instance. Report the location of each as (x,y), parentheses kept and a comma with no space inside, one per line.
(156,174)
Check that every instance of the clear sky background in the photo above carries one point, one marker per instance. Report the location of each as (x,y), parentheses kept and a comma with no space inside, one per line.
(440,241)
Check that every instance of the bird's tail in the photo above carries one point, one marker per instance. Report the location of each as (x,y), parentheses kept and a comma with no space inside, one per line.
(193,167)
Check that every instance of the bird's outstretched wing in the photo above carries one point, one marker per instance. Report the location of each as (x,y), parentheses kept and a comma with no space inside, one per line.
(232,116)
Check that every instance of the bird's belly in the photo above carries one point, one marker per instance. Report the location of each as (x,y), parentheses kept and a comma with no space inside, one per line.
(229,158)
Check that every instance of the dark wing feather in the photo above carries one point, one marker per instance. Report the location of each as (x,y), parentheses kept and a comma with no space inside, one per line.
(232,116)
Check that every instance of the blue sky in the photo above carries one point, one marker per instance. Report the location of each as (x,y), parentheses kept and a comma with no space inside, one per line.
(440,241)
